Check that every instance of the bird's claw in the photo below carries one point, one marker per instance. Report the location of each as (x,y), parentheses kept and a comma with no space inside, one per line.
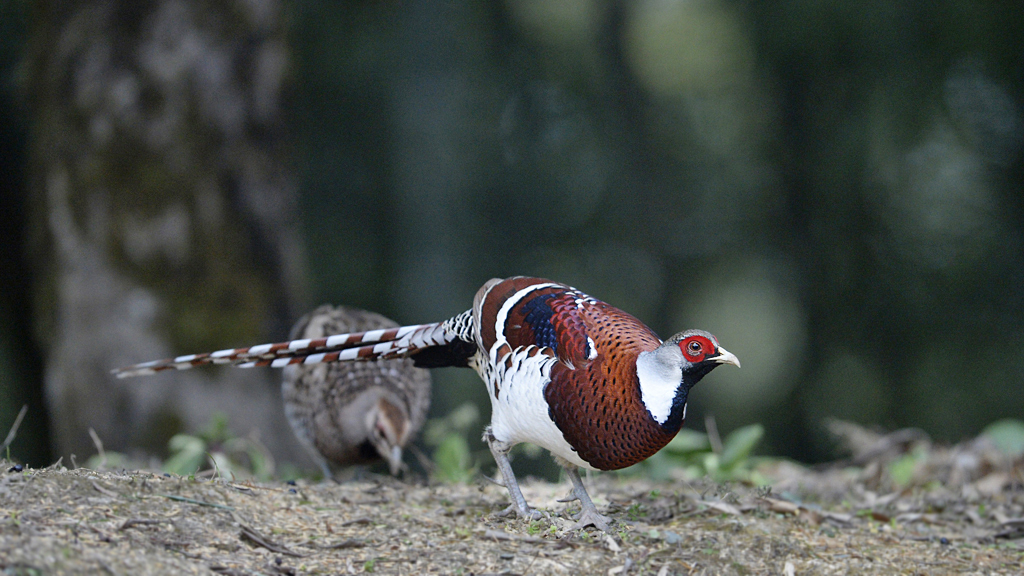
(591,518)
(526,514)
(510,510)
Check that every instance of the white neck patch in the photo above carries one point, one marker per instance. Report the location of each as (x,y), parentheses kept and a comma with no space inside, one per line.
(658,384)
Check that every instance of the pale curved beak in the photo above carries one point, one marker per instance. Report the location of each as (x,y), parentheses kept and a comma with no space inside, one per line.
(395,460)
(725,357)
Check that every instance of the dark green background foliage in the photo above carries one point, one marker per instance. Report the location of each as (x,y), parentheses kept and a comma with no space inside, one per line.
(832,188)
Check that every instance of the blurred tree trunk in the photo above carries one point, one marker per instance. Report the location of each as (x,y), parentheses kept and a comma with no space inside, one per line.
(164,213)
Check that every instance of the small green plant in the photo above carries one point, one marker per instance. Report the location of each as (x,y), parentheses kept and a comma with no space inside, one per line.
(1007,435)
(691,452)
(216,447)
(369,565)
(452,458)
(902,470)
(636,511)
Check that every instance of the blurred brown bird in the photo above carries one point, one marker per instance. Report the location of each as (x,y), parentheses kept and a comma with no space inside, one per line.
(352,413)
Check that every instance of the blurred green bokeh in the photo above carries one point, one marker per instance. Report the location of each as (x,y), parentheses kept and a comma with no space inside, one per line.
(832,189)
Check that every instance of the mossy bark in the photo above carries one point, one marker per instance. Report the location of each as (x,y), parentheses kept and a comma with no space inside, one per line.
(164,212)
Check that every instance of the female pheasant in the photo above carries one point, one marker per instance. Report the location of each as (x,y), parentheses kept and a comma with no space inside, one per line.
(353,412)
(565,371)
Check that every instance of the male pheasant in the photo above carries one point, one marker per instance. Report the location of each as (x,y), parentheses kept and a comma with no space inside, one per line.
(565,371)
(353,412)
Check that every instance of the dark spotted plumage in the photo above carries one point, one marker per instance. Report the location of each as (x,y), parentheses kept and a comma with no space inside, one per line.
(598,406)
(563,370)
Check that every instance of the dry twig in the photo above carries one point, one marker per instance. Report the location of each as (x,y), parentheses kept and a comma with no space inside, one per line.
(138,522)
(196,502)
(251,534)
(14,428)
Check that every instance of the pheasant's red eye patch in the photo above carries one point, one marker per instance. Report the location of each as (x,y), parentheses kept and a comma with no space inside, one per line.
(696,347)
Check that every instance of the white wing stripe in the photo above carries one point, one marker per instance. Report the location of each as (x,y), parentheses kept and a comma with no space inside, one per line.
(260,349)
(299,344)
(417,340)
(404,330)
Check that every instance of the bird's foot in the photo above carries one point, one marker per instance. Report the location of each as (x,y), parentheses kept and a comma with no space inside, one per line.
(588,515)
(526,513)
(591,518)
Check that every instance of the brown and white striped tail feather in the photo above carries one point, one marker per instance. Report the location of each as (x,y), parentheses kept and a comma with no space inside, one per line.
(370,345)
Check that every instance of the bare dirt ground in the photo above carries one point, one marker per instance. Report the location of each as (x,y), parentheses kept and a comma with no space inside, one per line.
(961,511)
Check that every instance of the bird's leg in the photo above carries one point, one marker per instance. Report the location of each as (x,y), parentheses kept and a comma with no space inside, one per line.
(328,475)
(588,515)
(500,451)
(325,468)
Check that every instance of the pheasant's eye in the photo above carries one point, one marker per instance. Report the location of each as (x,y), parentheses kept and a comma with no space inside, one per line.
(693,348)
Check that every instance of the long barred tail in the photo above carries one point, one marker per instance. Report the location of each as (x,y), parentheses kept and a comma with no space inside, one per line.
(378,344)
